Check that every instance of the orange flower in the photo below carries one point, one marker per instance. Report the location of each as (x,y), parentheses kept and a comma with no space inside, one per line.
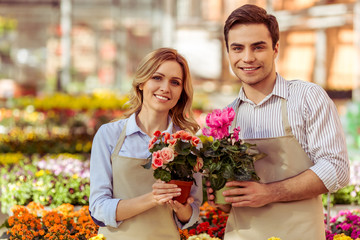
(33,221)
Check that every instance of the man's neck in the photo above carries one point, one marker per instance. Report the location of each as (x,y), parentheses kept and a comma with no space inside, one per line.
(257,92)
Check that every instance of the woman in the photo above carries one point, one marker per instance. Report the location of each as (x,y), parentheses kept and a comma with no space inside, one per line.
(125,200)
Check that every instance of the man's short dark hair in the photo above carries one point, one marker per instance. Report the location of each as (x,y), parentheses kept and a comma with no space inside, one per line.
(252,14)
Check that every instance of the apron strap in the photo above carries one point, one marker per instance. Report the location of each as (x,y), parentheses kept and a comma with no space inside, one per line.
(285,119)
(284,116)
(120,141)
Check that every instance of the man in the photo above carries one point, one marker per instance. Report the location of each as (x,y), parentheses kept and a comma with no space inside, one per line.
(295,123)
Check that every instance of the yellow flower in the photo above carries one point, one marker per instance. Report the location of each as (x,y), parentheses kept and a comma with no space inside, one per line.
(98,237)
(342,236)
(78,147)
(40,173)
(274,238)
(202,236)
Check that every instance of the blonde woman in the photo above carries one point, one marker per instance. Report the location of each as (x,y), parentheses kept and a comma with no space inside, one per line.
(125,200)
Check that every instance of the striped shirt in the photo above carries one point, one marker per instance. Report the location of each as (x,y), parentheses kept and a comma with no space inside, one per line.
(314,120)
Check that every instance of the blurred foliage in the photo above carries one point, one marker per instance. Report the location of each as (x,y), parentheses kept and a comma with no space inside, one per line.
(352,125)
(62,101)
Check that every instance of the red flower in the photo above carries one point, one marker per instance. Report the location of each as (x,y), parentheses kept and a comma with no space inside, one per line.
(157,133)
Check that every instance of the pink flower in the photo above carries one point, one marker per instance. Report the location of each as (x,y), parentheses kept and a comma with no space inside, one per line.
(152,142)
(167,154)
(172,142)
(219,122)
(157,160)
(195,141)
(220,118)
(199,164)
(166,137)
(236,133)
(178,134)
(156,154)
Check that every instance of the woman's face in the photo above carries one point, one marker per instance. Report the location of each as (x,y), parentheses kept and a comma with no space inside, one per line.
(162,91)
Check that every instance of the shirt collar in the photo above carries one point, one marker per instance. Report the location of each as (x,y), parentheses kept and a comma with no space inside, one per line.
(280,90)
(132,126)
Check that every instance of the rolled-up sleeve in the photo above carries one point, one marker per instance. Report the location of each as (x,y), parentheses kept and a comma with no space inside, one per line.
(102,205)
(326,140)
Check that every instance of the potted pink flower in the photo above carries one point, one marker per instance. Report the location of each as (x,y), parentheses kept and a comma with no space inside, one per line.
(175,158)
(226,157)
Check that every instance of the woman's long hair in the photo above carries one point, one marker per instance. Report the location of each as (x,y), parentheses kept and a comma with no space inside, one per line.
(181,114)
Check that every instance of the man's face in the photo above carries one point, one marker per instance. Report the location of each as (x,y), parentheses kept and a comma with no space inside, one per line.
(251,55)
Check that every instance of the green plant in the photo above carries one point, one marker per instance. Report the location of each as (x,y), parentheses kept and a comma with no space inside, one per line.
(174,157)
(227,157)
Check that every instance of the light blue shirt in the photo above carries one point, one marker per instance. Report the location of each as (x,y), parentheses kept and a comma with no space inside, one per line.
(102,205)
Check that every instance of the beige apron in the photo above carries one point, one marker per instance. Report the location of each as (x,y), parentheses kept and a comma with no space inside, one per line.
(130,180)
(296,220)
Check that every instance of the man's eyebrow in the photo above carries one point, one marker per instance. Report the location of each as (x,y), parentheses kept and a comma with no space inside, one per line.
(253,44)
(236,45)
(258,43)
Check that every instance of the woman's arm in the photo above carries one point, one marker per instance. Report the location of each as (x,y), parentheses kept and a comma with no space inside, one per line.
(102,205)
(187,214)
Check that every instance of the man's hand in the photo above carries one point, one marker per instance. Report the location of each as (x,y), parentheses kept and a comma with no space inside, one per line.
(254,194)
(211,199)
(247,194)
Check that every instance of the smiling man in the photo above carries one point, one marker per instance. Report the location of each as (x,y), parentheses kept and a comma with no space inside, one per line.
(295,123)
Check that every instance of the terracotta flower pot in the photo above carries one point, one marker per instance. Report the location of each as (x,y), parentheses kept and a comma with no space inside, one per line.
(185,190)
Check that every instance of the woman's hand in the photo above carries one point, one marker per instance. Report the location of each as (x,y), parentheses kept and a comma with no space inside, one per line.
(163,192)
(183,211)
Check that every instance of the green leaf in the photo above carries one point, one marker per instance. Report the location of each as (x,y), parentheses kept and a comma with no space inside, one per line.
(162,174)
(148,164)
(217,182)
(183,148)
(215,145)
(242,175)
(158,147)
(192,160)
(212,167)
(228,171)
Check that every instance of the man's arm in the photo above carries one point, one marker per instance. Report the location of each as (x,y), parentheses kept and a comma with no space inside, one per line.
(253,194)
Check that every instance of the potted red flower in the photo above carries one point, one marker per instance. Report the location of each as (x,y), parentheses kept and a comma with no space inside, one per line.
(175,158)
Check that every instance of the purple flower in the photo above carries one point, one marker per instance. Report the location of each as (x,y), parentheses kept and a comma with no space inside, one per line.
(344,226)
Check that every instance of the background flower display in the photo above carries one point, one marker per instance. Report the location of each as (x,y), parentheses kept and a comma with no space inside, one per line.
(350,194)
(50,180)
(62,122)
(33,127)
(63,222)
(211,224)
(345,225)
